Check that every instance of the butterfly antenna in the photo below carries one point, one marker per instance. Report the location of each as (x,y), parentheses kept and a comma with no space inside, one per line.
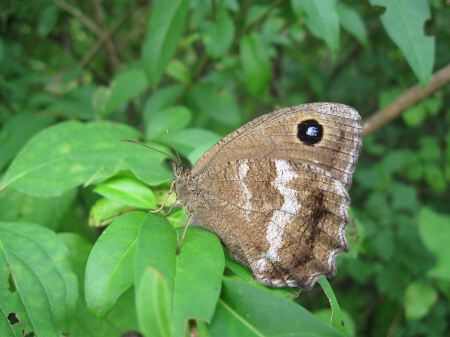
(148,147)
(173,146)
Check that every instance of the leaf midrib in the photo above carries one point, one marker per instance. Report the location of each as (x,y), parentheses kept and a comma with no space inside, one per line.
(241,319)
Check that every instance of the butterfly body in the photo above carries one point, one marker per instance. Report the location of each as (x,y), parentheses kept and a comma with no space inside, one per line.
(275,191)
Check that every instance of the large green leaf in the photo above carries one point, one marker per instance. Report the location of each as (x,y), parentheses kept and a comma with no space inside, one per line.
(404,23)
(156,247)
(434,229)
(256,63)
(110,267)
(71,153)
(245,310)
(166,24)
(153,303)
(17,131)
(321,18)
(198,278)
(155,266)
(121,319)
(38,287)
(47,212)
(193,278)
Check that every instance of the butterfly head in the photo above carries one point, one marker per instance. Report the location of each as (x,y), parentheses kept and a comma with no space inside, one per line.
(184,185)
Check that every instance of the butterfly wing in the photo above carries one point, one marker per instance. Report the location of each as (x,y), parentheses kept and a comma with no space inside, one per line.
(276,135)
(284,219)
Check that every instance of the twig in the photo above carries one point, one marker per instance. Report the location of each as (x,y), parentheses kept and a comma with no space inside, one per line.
(259,20)
(111,49)
(87,58)
(85,20)
(410,97)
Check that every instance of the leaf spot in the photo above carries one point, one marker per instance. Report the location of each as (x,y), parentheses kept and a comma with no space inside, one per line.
(12,318)
(64,149)
(12,285)
(77,168)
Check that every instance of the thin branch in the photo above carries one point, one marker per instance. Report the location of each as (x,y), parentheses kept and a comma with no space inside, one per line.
(111,50)
(85,20)
(259,20)
(410,97)
(88,57)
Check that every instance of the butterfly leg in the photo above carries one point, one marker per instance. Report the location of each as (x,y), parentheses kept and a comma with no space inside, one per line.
(172,185)
(183,234)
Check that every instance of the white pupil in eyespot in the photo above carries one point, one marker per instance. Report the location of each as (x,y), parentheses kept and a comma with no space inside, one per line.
(312,131)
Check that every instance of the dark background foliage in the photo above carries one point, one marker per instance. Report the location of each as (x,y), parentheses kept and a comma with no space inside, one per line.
(69,69)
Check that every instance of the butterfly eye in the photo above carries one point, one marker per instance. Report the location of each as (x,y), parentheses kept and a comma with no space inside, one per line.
(310,132)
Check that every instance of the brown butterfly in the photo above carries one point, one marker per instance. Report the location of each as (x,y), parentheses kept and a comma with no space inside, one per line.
(275,191)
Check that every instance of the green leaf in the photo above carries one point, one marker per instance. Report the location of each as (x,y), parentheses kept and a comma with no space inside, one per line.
(434,229)
(77,153)
(47,20)
(256,63)
(156,248)
(126,85)
(179,71)
(198,278)
(351,21)
(104,211)
(47,212)
(414,116)
(322,19)
(187,140)
(419,298)
(172,118)
(37,281)
(325,315)
(217,104)
(153,304)
(128,191)
(110,267)
(160,100)
(76,103)
(338,320)
(11,140)
(434,176)
(218,34)
(404,23)
(167,21)
(249,311)
(404,197)
(193,277)
(120,320)
(122,317)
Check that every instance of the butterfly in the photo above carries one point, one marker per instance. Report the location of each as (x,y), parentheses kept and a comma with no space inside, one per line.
(275,191)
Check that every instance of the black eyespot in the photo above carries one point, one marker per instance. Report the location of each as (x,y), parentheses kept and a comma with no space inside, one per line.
(310,132)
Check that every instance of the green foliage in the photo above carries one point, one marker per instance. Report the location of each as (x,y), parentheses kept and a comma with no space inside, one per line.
(79,253)
(403,22)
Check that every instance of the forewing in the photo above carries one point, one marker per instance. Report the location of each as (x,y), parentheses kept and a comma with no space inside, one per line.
(284,219)
(274,136)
